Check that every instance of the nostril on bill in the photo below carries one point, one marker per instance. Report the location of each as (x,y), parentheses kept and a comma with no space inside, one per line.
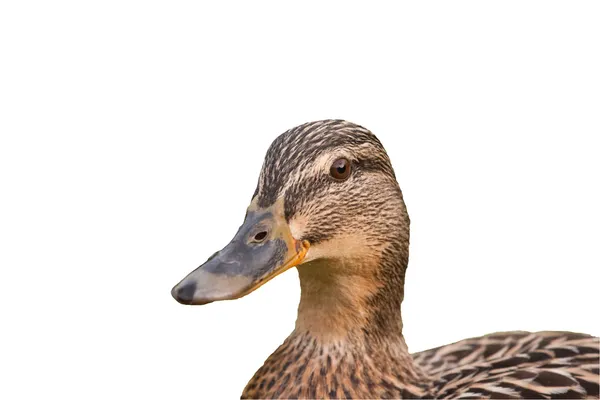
(260,236)
(185,293)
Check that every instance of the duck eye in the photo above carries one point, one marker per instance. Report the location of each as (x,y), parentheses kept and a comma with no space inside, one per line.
(340,169)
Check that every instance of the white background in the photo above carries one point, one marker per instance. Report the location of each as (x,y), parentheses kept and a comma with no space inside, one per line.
(132,134)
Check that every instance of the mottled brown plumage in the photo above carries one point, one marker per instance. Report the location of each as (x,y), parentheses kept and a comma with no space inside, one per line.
(515,365)
(348,340)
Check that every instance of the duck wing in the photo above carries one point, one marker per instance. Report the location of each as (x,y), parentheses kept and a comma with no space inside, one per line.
(512,365)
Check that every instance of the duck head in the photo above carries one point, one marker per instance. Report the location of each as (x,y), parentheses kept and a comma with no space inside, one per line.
(327,201)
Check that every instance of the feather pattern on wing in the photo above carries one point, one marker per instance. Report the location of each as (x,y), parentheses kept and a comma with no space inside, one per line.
(514,365)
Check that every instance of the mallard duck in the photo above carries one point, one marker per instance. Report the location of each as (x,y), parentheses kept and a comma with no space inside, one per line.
(328,203)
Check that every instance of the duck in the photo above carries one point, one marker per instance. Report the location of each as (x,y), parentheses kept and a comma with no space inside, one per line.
(328,203)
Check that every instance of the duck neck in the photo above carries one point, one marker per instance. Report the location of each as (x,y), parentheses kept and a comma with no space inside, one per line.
(338,302)
(356,306)
(348,337)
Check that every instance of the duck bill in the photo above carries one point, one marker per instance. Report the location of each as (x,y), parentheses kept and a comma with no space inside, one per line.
(262,249)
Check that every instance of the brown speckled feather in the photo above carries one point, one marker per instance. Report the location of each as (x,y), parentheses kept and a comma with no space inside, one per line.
(515,365)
